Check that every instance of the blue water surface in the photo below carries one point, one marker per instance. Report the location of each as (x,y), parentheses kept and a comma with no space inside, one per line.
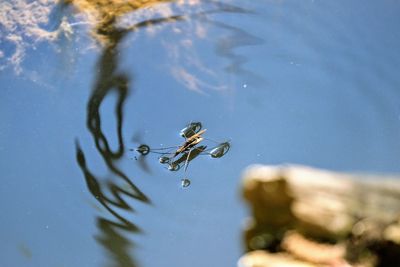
(305,82)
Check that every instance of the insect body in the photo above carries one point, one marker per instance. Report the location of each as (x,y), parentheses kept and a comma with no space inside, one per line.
(190,142)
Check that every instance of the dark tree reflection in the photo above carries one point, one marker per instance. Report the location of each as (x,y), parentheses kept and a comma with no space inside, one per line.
(110,79)
(114,241)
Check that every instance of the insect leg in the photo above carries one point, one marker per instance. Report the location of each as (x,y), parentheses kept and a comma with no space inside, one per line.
(187,160)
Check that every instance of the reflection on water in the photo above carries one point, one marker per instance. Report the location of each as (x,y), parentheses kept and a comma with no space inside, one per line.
(25,251)
(26,24)
(110,79)
(115,242)
(225,48)
(329,88)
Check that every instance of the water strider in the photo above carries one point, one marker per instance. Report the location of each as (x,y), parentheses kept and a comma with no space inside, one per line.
(181,155)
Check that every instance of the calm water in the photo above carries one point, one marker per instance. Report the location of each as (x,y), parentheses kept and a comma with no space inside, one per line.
(309,82)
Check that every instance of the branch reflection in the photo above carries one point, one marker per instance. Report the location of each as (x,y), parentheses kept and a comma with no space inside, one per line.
(109,79)
(115,242)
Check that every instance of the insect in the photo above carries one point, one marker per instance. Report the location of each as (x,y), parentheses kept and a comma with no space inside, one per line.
(176,157)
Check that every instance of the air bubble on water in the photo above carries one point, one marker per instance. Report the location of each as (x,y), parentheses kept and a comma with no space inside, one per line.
(185,182)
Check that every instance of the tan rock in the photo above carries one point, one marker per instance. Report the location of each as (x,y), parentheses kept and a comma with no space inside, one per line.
(264,259)
(322,217)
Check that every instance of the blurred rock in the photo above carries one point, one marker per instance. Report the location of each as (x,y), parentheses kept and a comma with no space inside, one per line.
(302,215)
(261,258)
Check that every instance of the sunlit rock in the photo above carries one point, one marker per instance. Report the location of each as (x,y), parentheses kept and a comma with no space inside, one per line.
(265,259)
(321,217)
